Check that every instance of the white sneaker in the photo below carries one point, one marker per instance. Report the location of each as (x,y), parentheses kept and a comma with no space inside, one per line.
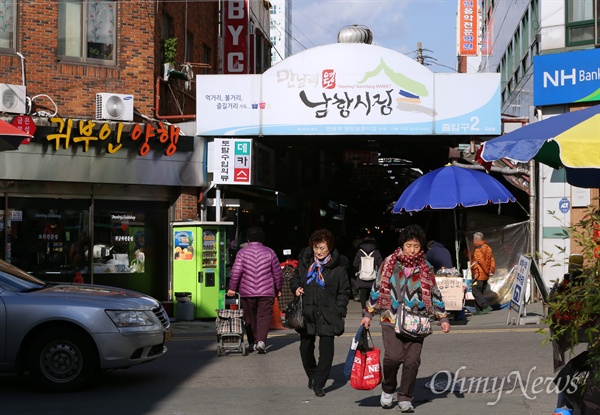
(386,400)
(406,407)
(261,348)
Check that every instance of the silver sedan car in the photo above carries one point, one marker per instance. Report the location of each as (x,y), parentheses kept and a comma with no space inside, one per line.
(65,334)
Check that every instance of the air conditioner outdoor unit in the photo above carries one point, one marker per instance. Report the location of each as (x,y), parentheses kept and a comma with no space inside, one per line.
(13,98)
(114,106)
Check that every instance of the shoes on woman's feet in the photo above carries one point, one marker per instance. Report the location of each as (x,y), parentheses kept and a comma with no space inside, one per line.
(261,348)
(311,383)
(386,400)
(319,391)
(405,407)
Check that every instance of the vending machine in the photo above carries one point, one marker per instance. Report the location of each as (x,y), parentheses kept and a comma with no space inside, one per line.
(199,261)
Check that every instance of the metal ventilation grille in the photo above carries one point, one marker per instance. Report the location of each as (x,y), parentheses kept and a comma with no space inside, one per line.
(161,313)
(114,106)
(9,99)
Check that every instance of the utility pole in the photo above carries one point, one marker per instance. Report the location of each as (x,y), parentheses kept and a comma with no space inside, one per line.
(420,58)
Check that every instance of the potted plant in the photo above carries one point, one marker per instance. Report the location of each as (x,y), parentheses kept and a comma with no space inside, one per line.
(574,306)
(169,51)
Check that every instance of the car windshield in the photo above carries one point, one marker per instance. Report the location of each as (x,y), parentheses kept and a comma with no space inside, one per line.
(14,279)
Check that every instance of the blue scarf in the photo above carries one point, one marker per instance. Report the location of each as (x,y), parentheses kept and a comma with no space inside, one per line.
(314,271)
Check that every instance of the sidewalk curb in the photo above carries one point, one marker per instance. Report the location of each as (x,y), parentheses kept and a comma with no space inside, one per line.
(495,321)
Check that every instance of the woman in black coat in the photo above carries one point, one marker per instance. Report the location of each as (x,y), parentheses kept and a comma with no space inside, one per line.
(323,284)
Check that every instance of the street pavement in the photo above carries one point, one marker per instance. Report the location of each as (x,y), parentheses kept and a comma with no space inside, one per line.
(502,369)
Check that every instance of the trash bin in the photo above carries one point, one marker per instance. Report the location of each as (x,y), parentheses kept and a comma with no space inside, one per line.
(185,307)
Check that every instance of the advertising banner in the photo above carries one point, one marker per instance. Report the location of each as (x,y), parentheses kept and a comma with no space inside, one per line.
(468,28)
(348,89)
(520,286)
(232,161)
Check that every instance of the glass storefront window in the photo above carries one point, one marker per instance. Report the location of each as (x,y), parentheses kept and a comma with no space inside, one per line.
(123,245)
(119,242)
(47,239)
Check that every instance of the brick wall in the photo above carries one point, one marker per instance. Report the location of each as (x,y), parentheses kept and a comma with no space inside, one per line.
(202,23)
(186,206)
(73,86)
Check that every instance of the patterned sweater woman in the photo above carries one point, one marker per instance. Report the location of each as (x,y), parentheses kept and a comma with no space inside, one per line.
(406,265)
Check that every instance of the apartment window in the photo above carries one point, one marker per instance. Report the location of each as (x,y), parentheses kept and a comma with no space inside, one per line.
(581,22)
(525,25)
(517,46)
(8,23)
(87,30)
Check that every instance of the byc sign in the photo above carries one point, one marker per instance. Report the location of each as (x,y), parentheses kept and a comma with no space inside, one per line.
(235,33)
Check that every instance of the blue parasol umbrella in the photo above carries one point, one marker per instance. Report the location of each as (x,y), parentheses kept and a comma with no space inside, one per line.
(450,187)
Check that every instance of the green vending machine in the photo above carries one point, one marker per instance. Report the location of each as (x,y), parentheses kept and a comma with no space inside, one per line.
(199,268)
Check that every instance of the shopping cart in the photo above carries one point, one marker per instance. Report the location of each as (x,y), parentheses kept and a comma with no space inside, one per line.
(230,327)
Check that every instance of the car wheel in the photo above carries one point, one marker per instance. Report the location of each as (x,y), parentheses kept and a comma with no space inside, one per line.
(62,359)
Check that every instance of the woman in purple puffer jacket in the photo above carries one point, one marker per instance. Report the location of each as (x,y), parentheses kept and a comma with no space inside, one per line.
(256,275)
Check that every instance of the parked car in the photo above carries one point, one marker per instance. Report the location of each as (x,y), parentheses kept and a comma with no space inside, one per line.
(65,334)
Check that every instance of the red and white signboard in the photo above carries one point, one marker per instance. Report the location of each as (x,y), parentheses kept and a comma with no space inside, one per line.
(232,161)
(468,28)
(235,37)
(25,123)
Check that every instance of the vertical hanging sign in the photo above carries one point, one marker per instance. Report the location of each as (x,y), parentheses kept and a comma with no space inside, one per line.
(232,161)
(235,37)
(468,28)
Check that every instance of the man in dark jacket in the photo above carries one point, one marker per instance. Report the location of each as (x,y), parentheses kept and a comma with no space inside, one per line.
(438,256)
(256,274)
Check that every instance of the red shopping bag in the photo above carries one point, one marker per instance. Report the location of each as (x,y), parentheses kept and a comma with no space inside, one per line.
(366,369)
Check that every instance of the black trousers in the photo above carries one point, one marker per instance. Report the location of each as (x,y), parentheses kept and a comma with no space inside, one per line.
(364,296)
(477,289)
(319,371)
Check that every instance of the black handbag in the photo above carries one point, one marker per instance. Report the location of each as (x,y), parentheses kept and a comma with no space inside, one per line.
(293,314)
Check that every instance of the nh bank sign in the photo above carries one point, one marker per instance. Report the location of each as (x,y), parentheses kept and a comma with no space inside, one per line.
(565,78)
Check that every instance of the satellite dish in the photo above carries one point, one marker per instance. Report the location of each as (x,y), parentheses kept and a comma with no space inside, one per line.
(114,106)
(355,34)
